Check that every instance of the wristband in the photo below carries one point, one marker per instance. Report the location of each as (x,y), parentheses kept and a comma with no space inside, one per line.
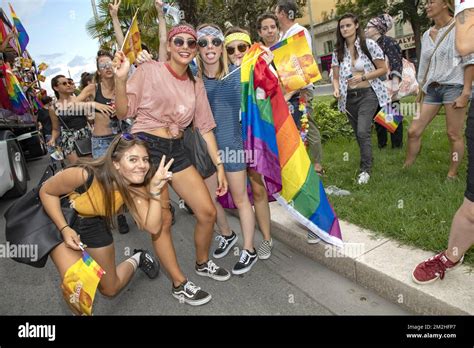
(155,194)
(61,230)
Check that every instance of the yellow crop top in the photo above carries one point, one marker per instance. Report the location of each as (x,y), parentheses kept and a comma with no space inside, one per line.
(90,203)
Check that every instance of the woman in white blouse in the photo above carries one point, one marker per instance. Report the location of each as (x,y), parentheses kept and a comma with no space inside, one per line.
(444,82)
(358,64)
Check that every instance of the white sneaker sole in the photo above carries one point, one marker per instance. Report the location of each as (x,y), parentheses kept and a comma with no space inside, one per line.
(265,257)
(244,270)
(220,256)
(434,279)
(192,302)
(218,278)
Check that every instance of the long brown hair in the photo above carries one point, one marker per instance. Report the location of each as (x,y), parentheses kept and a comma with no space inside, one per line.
(359,34)
(110,180)
(223,62)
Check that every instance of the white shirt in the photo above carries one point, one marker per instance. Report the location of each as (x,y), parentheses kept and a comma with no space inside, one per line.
(295,29)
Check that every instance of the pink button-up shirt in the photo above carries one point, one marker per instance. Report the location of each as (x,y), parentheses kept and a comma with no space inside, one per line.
(159,98)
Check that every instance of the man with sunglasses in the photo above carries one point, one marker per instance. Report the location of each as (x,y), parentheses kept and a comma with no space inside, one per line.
(286,11)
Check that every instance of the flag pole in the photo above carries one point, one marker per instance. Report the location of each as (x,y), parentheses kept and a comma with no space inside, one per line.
(128,32)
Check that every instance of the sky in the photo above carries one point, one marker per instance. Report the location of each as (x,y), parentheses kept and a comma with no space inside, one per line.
(58,36)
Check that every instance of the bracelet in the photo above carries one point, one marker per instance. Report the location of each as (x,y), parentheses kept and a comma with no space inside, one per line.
(219,164)
(156,194)
(61,230)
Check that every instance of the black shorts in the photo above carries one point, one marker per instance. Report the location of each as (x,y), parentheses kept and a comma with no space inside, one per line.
(93,231)
(469,194)
(171,148)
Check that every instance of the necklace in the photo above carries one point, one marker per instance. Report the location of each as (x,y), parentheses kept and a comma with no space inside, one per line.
(445,25)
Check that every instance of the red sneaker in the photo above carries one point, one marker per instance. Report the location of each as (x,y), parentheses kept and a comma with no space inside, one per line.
(435,267)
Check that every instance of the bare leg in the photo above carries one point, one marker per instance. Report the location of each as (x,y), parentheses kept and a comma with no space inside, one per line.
(222,223)
(417,127)
(454,125)
(238,188)
(163,244)
(461,237)
(190,186)
(262,208)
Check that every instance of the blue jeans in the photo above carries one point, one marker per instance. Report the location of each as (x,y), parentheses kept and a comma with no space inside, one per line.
(100,144)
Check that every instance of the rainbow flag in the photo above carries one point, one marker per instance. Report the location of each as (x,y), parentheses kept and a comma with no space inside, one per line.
(19,102)
(36,103)
(389,117)
(80,284)
(269,130)
(23,37)
(295,63)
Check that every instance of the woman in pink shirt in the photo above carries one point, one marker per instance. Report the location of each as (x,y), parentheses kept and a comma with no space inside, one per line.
(165,98)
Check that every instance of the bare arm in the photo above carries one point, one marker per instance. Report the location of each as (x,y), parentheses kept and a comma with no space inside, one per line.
(213,153)
(162,52)
(335,81)
(56,128)
(463,99)
(465,32)
(113,9)
(50,194)
(380,70)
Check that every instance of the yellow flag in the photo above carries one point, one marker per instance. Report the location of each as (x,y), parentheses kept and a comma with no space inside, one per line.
(132,45)
(42,66)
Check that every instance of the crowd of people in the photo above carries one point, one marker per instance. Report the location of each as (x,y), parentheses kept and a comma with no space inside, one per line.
(195,82)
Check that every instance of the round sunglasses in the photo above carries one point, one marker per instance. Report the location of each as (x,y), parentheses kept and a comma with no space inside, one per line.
(216,42)
(179,42)
(242,49)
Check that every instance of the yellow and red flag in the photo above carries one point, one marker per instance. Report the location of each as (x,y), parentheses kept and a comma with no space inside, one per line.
(295,63)
(132,45)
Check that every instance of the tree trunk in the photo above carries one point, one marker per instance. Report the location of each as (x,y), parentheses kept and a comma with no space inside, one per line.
(417,34)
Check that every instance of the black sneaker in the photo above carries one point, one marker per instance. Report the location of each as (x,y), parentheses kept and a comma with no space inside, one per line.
(247,260)
(148,263)
(211,270)
(122,224)
(225,244)
(191,294)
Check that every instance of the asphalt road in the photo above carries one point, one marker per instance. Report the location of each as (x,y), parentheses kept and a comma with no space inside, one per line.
(288,283)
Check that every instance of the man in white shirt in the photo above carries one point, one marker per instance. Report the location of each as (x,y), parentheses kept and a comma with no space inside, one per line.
(286,11)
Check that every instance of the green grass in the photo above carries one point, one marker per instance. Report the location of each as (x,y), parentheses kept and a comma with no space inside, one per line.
(414,206)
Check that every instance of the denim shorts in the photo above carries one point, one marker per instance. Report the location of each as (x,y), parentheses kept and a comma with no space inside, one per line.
(442,94)
(171,148)
(100,144)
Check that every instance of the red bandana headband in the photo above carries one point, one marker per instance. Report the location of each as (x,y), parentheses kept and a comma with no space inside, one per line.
(182,29)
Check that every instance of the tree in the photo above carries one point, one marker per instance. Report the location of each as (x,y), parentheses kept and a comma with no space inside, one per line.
(411,11)
(220,12)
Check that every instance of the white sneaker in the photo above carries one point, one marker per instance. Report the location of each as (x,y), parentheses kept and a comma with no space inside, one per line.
(363,178)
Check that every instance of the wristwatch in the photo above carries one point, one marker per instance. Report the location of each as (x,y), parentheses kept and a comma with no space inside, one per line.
(364,78)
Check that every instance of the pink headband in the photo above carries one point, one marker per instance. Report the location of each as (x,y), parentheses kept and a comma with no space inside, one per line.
(182,29)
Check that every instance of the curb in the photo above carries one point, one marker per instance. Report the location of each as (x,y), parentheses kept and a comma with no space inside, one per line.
(368,265)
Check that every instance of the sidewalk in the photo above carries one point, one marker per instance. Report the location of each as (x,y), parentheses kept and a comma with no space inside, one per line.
(382,265)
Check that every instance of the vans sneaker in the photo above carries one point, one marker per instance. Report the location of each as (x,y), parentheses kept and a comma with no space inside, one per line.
(246,261)
(225,244)
(191,294)
(211,270)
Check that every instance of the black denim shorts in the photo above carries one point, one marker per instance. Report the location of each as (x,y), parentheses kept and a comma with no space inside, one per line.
(469,194)
(93,231)
(171,148)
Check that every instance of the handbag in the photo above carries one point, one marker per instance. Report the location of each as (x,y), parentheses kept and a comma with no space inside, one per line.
(29,228)
(83,146)
(197,150)
(421,94)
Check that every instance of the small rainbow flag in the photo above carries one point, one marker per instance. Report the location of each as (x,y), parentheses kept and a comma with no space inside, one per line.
(18,100)
(269,130)
(23,37)
(389,117)
(80,284)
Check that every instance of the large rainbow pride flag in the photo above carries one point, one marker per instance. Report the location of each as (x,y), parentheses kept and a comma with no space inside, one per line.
(23,37)
(270,132)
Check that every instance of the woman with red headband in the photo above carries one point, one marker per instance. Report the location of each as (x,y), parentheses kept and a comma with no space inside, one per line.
(172,99)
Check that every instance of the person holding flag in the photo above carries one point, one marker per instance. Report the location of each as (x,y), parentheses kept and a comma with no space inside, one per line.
(166,98)
(123,176)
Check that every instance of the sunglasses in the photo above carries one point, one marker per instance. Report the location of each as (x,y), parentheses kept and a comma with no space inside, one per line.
(242,49)
(65,83)
(216,42)
(103,66)
(179,42)
(130,137)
